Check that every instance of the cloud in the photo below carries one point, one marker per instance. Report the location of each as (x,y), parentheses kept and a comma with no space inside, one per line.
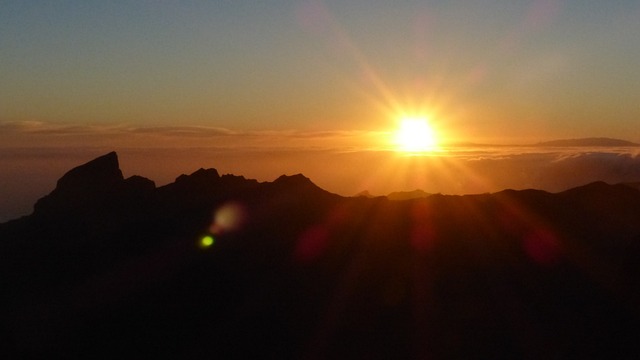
(556,171)
(188,131)
(611,167)
(32,133)
(47,128)
(16,128)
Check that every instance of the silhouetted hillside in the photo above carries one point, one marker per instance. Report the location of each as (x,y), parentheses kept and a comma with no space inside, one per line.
(219,266)
(408,195)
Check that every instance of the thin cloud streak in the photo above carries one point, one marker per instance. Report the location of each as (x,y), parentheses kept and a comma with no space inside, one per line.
(17,134)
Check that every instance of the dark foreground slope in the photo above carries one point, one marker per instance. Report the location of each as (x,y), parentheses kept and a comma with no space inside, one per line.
(109,267)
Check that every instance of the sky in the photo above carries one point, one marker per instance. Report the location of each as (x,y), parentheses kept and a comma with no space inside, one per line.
(306,86)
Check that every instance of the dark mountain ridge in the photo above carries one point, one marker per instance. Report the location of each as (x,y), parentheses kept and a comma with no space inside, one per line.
(111,267)
(408,195)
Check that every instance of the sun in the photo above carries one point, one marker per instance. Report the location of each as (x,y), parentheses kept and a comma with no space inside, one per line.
(414,135)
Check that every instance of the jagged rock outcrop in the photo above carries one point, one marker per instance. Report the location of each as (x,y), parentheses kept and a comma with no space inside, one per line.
(93,189)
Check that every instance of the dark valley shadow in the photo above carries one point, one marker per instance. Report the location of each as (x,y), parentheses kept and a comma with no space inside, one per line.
(219,266)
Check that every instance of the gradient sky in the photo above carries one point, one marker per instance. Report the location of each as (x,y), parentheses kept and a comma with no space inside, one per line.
(502,71)
(316,87)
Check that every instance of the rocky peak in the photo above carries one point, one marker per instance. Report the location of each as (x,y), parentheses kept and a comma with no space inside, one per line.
(94,184)
(97,173)
(201,176)
(296,184)
(297,179)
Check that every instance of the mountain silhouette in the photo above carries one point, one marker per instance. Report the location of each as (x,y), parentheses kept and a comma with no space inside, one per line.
(407,195)
(108,267)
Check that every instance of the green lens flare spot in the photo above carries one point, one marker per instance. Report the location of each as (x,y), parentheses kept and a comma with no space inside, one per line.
(207,241)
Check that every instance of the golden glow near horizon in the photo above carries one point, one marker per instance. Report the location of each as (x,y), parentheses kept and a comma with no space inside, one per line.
(415,135)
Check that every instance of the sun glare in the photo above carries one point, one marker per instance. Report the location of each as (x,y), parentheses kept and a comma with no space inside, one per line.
(415,134)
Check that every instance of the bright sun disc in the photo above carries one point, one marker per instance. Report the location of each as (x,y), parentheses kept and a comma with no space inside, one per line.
(415,135)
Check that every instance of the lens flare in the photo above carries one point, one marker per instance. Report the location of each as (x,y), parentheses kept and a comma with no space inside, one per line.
(228,217)
(207,241)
